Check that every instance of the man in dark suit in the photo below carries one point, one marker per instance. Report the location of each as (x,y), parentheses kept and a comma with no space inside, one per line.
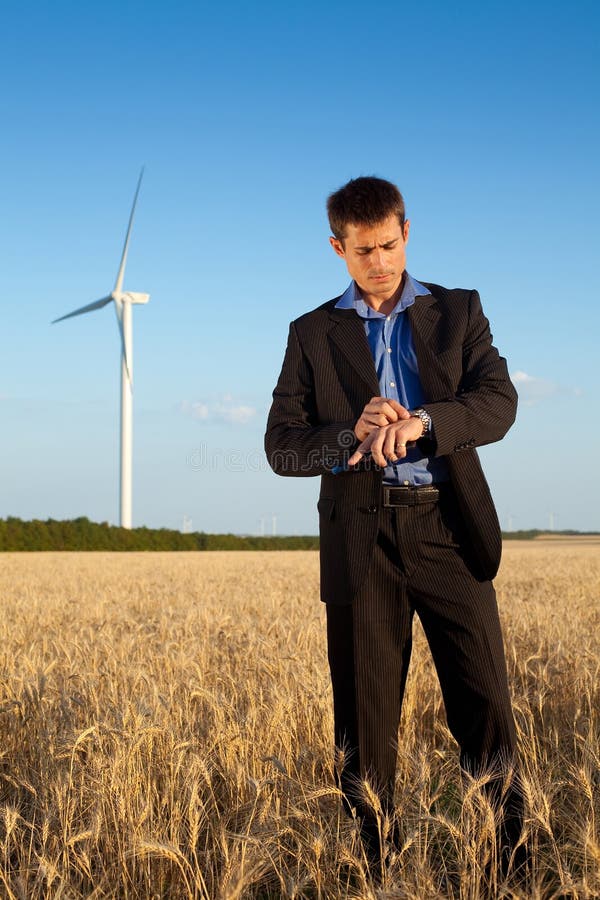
(385,392)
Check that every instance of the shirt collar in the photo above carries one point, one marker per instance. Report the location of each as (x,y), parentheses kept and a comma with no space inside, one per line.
(352,299)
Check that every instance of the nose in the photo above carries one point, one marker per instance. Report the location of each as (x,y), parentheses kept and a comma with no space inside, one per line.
(378,256)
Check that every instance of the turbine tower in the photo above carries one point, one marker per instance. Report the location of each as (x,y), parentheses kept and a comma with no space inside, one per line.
(123,301)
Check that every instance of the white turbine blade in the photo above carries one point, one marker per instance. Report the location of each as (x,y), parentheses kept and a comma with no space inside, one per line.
(97,304)
(121,274)
(119,312)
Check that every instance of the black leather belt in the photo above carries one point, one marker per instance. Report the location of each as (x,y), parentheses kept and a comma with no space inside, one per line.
(410,495)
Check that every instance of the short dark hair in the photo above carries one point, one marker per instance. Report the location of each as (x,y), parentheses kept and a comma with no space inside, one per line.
(363,201)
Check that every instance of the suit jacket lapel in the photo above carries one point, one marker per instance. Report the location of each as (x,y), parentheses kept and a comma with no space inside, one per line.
(426,325)
(424,315)
(348,333)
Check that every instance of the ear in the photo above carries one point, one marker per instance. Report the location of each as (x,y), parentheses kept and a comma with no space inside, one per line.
(338,247)
(405,230)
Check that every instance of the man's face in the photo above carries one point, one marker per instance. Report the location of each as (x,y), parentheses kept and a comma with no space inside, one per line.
(375,256)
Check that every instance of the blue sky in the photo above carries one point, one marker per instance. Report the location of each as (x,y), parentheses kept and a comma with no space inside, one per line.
(246,117)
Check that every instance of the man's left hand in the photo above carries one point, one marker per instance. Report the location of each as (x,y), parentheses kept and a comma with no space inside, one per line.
(388,443)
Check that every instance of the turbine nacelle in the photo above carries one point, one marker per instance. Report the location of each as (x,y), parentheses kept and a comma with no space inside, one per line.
(129,297)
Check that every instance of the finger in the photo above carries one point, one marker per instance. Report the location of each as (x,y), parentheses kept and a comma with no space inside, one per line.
(367,424)
(355,458)
(401,411)
(389,412)
(380,406)
(379,459)
(377,448)
(362,449)
(381,419)
(388,447)
(394,447)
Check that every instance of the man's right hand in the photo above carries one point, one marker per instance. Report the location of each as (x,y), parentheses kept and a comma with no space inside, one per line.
(378,412)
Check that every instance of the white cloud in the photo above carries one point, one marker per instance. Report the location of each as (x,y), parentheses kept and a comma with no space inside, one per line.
(237,415)
(533,390)
(222,410)
(199,410)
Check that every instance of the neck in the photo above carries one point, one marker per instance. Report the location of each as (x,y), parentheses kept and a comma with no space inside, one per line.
(384,304)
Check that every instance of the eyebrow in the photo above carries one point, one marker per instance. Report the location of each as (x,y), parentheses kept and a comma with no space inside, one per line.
(384,245)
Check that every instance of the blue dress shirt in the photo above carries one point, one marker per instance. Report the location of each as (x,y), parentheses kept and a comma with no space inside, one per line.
(391,343)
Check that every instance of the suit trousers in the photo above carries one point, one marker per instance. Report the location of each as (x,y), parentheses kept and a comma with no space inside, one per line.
(420,564)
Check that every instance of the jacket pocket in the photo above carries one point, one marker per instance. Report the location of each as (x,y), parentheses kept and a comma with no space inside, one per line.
(326,507)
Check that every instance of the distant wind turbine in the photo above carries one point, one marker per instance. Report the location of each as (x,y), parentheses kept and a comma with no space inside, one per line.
(123,301)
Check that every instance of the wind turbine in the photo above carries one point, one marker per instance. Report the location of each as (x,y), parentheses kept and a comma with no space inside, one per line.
(123,301)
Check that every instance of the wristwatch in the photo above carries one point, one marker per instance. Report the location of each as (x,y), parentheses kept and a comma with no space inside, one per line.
(425,418)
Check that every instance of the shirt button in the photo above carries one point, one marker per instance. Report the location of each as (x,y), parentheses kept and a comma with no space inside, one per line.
(405,483)
(387,318)
(389,349)
(392,384)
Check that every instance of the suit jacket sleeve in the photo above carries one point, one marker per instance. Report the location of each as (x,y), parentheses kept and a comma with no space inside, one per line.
(484,406)
(295,443)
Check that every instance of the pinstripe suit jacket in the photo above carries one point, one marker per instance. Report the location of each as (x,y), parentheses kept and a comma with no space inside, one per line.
(328,376)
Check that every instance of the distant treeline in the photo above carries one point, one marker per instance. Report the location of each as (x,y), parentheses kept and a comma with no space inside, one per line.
(531,533)
(81,534)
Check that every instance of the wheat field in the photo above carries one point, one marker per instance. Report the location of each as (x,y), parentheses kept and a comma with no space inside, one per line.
(166,732)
